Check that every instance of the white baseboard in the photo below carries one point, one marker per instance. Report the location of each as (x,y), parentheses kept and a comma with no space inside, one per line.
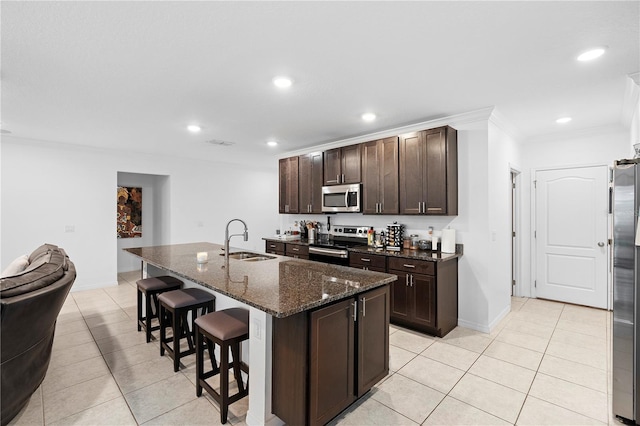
(485,328)
(473,326)
(499,318)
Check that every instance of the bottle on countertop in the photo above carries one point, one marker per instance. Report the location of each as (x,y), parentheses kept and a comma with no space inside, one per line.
(370,237)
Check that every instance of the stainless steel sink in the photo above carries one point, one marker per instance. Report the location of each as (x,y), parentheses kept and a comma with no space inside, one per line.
(258,258)
(248,256)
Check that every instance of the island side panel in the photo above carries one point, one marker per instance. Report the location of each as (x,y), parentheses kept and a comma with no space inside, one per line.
(290,368)
(447,296)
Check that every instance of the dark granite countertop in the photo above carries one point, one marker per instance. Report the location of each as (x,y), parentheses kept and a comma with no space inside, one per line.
(432,256)
(281,286)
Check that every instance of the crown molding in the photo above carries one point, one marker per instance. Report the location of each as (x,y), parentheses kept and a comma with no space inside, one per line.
(456,120)
(498,119)
(580,133)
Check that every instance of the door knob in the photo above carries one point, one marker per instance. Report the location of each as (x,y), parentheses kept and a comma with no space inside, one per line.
(600,244)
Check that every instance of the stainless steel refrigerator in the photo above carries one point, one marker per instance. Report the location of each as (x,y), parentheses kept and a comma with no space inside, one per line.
(626,294)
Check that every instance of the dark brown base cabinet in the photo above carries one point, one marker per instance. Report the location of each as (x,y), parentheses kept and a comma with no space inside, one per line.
(324,360)
(368,262)
(274,247)
(425,295)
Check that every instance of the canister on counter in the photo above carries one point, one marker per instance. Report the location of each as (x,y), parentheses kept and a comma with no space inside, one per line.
(406,243)
(414,242)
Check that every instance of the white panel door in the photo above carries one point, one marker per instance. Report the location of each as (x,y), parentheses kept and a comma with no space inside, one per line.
(571,235)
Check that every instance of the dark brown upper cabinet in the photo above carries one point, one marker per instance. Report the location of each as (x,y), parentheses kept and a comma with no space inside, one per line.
(380,176)
(342,165)
(310,183)
(288,191)
(429,172)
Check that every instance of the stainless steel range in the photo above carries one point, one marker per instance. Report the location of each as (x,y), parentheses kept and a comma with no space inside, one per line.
(333,247)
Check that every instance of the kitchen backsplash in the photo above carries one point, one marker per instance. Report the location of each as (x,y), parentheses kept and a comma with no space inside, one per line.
(413,224)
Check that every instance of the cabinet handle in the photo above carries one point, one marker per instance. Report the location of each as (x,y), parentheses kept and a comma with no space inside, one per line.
(355,310)
(409,266)
(272,245)
(295,249)
(406,278)
(364,259)
(364,306)
(286,208)
(337,178)
(381,208)
(433,208)
(411,280)
(343,178)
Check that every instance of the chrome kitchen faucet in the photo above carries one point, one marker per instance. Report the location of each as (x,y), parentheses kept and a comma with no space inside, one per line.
(227,237)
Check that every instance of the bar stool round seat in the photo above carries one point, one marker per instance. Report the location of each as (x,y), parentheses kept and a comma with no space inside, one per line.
(150,288)
(175,306)
(227,329)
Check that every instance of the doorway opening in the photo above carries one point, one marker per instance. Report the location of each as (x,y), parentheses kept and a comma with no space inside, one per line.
(154,215)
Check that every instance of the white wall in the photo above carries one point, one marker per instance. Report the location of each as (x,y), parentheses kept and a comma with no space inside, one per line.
(598,146)
(155,205)
(504,155)
(47,186)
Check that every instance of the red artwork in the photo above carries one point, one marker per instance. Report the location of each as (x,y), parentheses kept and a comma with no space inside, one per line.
(129,212)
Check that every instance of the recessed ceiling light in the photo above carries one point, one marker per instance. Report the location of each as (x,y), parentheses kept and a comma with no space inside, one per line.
(368,116)
(194,128)
(592,54)
(272,143)
(563,120)
(282,82)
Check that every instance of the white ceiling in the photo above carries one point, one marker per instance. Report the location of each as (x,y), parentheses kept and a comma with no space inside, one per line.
(132,75)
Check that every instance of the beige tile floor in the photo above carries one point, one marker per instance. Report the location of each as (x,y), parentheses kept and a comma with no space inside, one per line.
(546,363)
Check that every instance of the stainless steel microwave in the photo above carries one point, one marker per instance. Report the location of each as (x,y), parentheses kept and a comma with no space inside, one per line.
(341,198)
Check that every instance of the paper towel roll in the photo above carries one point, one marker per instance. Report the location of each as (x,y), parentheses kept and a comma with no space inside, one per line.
(448,241)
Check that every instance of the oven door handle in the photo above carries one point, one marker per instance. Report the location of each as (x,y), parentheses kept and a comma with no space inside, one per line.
(344,254)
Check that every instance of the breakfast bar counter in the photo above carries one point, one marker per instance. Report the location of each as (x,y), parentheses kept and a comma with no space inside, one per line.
(281,294)
(280,286)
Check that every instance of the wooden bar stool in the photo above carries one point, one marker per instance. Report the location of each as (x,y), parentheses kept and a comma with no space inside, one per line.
(227,329)
(151,288)
(175,306)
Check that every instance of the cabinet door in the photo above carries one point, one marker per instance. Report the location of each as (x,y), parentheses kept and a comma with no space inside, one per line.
(310,183)
(304,183)
(332,167)
(389,176)
(412,173)
(400,297)
(424,299)
(380,176)
(371,189)
(331,375)
(316,182)
(436,168)
(373,338)
(288,191)
(350,163)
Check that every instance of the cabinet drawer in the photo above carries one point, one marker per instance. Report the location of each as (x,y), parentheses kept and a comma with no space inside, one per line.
(274,247)
(297,250)
(415,266)
(364,259)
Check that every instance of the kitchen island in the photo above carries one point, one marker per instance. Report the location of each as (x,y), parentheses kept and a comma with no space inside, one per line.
(284,297)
